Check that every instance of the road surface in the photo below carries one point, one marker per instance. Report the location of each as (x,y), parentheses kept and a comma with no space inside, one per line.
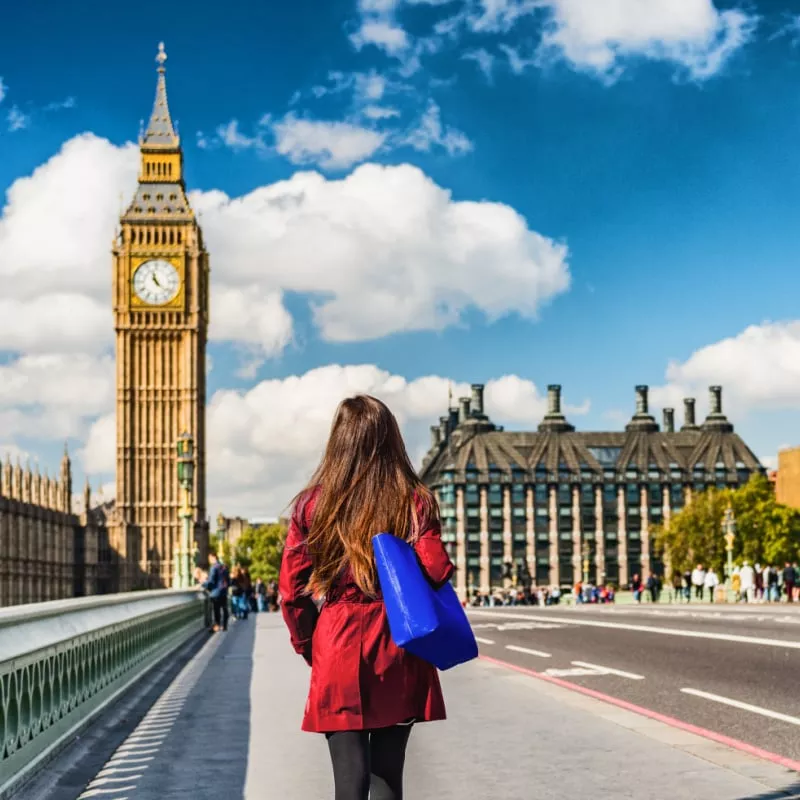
(733,670)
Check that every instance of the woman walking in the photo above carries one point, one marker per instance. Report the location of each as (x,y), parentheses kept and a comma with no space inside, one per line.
(365,692)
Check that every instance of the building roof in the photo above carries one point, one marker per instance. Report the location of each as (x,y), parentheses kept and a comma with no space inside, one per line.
(160,132)
(463,442)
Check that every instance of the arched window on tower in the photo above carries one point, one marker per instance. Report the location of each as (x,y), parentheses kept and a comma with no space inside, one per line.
(148,237)
(180,237)
(171,237)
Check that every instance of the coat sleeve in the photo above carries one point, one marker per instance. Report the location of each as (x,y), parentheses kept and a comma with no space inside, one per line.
(298,608)
(432,554)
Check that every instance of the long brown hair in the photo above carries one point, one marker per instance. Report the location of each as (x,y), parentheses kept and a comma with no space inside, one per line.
(365,485)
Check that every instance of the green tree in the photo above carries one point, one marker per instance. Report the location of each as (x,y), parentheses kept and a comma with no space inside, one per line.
(260,549)
(766,531)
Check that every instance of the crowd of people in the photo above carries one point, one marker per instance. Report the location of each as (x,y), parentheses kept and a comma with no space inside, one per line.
(233,591)
(748,583)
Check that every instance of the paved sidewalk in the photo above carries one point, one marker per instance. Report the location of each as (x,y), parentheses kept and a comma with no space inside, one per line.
(236,733)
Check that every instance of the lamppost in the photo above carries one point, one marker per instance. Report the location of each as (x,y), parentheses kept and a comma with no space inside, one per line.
(729,529)
(185,450)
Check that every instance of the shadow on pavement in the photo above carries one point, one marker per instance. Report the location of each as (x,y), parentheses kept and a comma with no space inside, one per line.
(205,756)
(790,792)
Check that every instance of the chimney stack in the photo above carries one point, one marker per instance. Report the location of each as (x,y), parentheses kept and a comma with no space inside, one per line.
(641,400)
(715,399)
(452,421)
(669,420)
(444,423)
(553,399)
(477,399)
(688,413)
(463,409)
(436,436)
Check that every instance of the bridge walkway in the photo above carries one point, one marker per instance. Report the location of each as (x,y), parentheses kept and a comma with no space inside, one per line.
(229,726)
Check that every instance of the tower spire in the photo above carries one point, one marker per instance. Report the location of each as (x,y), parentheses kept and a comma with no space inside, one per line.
(160,132)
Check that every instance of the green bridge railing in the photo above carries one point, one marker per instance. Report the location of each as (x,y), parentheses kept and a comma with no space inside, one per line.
(62,662)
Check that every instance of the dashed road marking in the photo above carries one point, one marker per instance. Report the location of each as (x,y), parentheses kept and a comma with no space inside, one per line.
(528,651)
(609,670)
(594,623)
(764,712)
(484,641)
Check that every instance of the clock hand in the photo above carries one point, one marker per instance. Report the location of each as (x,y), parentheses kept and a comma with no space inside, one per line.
(155,281)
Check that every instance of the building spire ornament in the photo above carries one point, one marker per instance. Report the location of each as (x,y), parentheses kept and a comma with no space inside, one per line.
(160,132)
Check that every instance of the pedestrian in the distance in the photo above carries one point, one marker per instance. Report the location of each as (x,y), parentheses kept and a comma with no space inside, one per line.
(365,692)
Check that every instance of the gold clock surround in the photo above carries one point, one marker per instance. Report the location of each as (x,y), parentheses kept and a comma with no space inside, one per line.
(177,301)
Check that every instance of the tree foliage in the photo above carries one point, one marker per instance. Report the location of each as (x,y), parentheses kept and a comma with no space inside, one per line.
(260,549)
(766,532)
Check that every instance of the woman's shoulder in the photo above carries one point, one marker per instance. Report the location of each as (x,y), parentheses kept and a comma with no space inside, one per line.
(304,506)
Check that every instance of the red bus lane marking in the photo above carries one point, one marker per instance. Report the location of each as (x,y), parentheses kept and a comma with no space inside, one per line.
(704,733)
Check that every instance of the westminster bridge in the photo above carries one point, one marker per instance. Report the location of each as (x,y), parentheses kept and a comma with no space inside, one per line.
(130,697)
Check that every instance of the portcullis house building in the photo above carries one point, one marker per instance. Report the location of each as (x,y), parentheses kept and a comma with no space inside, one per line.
(557,500)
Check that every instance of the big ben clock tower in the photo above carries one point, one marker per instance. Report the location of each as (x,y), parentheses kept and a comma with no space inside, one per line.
(160,296)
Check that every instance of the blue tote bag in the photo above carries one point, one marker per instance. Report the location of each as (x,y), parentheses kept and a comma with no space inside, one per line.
(428,622)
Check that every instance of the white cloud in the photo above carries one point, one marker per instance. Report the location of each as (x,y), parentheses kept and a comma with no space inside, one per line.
(380,112)
(382,33)
(500,16)
(265,442)
(598,35)
(757,368)
(380,251)
(54,396)
(3,90)
(232,137)
(99,452)
(60,105)
(17,119)
(58,288)
(383,250)
(431,132)
(516,61)
(483,58)
(332,145)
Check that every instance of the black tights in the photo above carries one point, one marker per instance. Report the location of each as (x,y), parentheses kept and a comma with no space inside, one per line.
(369,764)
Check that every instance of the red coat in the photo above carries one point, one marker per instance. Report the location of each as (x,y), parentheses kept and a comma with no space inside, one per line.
(360,679)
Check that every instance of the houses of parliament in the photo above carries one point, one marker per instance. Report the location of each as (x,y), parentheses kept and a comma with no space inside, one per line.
(160,294)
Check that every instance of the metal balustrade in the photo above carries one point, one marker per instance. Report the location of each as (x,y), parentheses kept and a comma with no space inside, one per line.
(62,662)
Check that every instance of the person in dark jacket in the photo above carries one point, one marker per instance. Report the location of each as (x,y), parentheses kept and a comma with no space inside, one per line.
(365,692)
(217,587)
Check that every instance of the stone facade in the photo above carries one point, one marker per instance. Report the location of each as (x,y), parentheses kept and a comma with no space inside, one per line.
(47,552)
(560,502)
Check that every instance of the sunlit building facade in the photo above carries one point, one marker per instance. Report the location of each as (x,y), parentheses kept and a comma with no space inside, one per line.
(550,503)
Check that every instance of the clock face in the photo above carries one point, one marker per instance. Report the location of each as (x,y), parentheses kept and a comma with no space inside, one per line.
(156,282)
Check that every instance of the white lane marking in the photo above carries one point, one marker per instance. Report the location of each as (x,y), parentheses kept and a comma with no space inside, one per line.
(114,760)
(518,626)
(609,670)
(723,637)
(528,651)
(95,792)
(484,641)
(133,750)
(570,672)
(764,712)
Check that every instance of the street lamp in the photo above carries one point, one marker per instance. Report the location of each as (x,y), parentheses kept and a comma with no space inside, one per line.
(185,452)
(729,529)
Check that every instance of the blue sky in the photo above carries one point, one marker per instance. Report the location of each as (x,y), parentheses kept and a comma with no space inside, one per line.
(666,163)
